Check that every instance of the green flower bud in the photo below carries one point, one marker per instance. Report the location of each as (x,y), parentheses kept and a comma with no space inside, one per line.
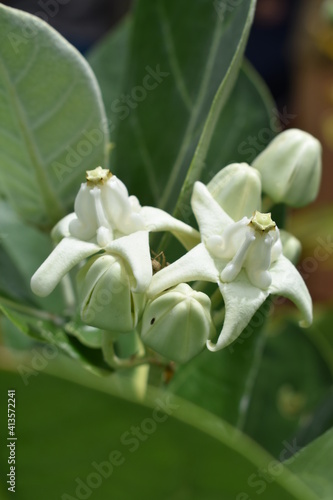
(106,296)
(292,247)
(237,189)
(177,323)
(290,168)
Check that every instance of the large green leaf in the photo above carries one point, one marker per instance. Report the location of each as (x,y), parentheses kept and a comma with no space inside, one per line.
(52,119)
(292,379)
(46,328)
(258,376)
(24,248)
(314,465)
(223,382)
(180,54)
(108,61)
(246,117)
(68,435)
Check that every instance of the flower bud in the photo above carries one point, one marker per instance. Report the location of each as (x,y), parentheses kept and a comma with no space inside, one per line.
(292,247)
(290,168)
(105,295)
(237,189)
(177,323)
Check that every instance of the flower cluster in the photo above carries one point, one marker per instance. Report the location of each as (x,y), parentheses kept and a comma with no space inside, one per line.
(239,248)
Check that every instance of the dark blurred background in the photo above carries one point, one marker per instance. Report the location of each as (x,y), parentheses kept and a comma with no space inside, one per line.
(290,45)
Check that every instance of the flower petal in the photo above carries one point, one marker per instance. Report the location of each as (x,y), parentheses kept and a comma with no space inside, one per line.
(242,300)
(158,220)
(287,281)
(61,229)
(64,257)
(212,219)
(197,264)
(134,249)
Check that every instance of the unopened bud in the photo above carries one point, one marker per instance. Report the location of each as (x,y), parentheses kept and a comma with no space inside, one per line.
(237,189)
(290,168)
(105,295)
(177,323)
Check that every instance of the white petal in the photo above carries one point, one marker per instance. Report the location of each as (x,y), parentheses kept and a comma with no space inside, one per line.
(287,281)
(197,264)
(61,229)
(134,249)
(212,219)
(64,257)
(242,300)
(158,220)
(85,225)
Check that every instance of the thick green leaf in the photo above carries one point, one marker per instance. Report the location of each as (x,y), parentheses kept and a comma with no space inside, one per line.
(223,382)
(45,328)
(180,52)
(293,378)
(108,61)
(314,466)
(52,118)
(24,249)
(69,435)
(246,119)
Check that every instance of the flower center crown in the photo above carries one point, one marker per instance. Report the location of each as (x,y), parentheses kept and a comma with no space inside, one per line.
(98,176)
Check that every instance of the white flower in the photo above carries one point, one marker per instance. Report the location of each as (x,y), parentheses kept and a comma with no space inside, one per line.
(107,219)
(244,258)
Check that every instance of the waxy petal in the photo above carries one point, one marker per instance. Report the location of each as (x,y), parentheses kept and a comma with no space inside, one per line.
(134,249)
(64,257)
(212,219)
(158,220)
(287,281)
(242,300)
(197,264)
(61,229)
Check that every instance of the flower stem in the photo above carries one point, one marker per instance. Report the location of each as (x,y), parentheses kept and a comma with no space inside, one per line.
(31,311)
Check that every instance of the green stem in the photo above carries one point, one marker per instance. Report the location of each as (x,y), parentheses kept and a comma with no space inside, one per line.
(58,320)
(131,352)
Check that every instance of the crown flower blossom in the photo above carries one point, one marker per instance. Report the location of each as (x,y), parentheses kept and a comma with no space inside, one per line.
(244,257)
(107,219)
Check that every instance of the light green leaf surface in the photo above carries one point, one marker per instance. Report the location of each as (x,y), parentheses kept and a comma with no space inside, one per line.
(313,465)
(52,119)
(25,248)
(180,53)
(108,61)
(185,454)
